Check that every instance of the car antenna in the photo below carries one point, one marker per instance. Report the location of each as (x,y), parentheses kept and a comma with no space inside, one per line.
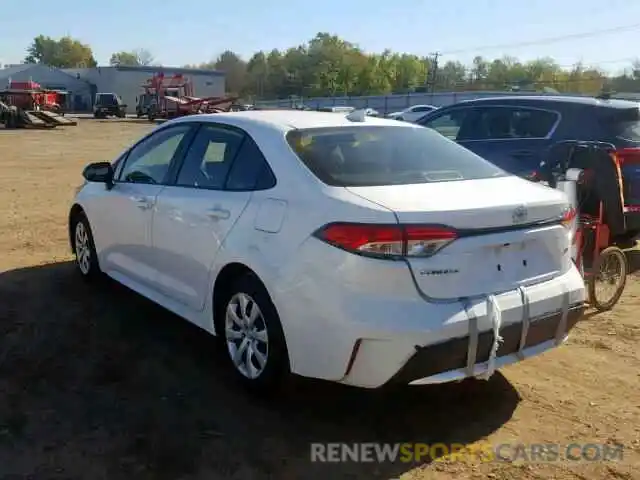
(357,115)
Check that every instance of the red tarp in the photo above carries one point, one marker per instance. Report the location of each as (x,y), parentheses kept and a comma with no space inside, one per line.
(25,85)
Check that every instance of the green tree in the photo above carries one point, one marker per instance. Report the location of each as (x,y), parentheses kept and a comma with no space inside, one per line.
(136,57)
(235,70)
(65,52)
(329,65)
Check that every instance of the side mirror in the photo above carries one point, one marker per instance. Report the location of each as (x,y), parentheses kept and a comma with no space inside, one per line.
(101,172)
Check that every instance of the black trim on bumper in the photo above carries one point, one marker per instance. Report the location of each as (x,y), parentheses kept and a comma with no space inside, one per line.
(452,354)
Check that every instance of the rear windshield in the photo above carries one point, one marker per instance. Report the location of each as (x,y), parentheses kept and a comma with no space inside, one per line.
(386,155)
(106,100)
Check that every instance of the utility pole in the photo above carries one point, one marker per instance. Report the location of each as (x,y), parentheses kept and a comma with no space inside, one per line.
(432,75)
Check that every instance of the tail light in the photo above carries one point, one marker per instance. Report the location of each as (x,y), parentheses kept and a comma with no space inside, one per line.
(569,217)
(533,176)
(627,155)
(387,241)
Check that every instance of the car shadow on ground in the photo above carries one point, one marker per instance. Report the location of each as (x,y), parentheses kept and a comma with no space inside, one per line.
(97,382)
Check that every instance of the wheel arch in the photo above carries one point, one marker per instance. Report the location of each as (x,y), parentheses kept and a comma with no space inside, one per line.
(222,287)
(76,209)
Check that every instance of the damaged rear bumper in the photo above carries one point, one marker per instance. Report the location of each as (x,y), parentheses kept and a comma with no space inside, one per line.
(454,359)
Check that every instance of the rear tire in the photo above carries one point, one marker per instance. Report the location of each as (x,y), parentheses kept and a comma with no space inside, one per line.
(251,333)
(84,248)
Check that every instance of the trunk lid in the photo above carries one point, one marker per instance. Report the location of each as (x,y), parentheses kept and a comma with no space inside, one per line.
(501,244)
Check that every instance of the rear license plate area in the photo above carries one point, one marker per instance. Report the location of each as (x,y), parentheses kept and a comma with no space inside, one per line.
(512,260)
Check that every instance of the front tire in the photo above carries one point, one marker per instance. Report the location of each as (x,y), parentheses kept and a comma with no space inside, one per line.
(84,248)
(609,259)
(252,335)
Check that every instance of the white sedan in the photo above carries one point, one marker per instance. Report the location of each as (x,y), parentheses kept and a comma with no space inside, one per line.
(342,247)
(412,113)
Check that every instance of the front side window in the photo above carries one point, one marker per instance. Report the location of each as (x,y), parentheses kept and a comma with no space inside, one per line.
(386,155)
(451,124)
(149,161)
(209,158)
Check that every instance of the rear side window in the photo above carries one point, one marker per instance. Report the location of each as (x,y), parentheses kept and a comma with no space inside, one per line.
(386,155)
(496,123)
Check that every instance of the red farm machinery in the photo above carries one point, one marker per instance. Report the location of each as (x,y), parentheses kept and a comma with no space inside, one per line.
(170,97)
(28,105)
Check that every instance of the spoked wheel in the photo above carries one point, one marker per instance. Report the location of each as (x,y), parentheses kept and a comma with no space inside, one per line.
(253,335)
(247,336)
(608,279)
(84,248)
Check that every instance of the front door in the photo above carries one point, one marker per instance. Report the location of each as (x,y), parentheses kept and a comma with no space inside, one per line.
(125,212)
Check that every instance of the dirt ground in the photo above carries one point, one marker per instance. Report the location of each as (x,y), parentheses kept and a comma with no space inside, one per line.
(98,383)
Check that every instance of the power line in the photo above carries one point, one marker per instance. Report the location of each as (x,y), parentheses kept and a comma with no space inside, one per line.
(597,64)
(542,41)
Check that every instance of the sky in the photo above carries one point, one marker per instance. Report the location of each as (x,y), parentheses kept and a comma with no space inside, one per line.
(196,31)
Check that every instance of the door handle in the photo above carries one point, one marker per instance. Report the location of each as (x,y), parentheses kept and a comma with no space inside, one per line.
(218,213)
(144,203)
(522,153)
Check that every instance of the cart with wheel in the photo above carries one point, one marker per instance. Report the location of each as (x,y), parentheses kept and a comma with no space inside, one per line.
(605,214)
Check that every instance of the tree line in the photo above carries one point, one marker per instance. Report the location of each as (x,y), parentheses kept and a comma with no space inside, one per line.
(328,65)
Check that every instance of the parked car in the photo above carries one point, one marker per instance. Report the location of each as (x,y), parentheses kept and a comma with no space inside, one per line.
(109,105)
(515,133)
(337,109)
(348,248)
(412,113)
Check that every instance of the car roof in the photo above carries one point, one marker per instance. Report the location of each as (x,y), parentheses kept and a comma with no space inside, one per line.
(547,99)
(286,120)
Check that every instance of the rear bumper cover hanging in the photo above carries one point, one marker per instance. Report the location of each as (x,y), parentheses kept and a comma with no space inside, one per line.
(476,353)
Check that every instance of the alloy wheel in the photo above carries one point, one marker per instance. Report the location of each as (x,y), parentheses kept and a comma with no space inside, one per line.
(246,336)
(83,248)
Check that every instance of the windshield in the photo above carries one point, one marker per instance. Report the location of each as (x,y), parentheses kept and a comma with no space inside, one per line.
(106,99)
(386,155)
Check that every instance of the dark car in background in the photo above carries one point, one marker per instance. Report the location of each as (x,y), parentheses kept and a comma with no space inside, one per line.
(109,105)
(515,132)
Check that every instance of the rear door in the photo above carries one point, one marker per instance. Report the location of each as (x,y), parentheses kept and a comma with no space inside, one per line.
(195,215)
(513,138)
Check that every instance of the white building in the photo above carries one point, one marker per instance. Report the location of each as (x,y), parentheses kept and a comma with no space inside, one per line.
(127,81)
(82,84)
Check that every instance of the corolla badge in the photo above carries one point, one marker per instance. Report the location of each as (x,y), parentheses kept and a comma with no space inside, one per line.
(520,214)
(445,271)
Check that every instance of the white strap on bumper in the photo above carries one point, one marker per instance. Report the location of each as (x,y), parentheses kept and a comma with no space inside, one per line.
(496,319)
(526,314)
(561,331)
(473,338)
